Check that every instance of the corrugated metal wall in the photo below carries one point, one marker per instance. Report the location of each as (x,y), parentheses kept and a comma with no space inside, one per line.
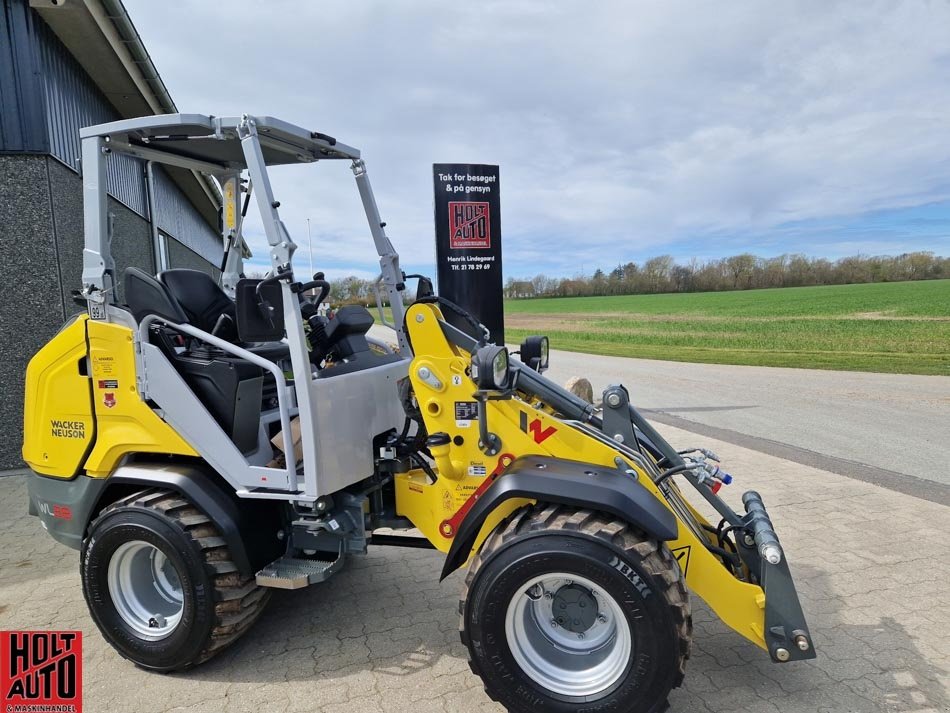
(46,98)
(21,102)
(73,101)
(175,215)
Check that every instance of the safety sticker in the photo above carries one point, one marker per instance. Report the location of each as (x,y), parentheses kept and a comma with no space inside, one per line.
(465,413)
(463,492)
(456,380)
(682,558)
(108,399)
(103,366)
(108,383)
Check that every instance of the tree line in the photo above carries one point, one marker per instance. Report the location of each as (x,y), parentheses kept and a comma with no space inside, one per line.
(665,274)
(739,272)
(356,290)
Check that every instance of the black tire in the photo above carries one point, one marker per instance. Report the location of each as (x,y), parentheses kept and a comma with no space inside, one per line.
(619,560)
(218,603)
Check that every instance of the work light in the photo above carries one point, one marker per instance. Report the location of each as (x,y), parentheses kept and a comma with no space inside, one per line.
(534,352)
(490,369)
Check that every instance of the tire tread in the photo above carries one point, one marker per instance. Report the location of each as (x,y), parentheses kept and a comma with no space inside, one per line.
(238,600)
(655,558)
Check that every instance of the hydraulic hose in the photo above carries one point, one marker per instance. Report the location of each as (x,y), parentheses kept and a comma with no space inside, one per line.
(448,304)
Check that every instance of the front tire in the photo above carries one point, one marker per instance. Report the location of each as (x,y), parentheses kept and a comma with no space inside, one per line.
(160,583)
(566,610)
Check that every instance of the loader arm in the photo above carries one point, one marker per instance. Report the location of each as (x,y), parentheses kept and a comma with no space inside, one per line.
(548,440)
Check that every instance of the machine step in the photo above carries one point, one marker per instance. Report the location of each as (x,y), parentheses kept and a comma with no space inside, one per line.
(297,573)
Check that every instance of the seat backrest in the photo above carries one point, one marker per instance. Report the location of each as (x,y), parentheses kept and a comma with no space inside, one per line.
(199,296)
(145,295)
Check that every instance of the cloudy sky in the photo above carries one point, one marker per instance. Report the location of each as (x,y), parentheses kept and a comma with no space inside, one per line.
(622,130)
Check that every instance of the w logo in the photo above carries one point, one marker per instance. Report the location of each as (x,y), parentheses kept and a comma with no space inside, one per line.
(534,428)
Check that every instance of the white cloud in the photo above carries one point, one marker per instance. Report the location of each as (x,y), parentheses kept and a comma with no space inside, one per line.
(620,128)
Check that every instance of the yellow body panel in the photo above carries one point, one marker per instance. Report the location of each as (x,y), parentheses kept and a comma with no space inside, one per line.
(428,505)
(124,423)
(526,430)
(58,423)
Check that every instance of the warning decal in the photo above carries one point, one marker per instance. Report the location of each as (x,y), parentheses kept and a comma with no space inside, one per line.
(682,558)
(103,365)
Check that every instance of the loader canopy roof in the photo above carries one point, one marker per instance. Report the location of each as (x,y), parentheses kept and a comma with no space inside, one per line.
(211,144)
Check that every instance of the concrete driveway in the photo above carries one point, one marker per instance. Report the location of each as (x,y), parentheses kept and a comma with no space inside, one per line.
(892,429)
(872,568)
(888,429)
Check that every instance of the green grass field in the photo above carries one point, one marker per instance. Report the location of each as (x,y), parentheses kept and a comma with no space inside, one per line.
(899,327)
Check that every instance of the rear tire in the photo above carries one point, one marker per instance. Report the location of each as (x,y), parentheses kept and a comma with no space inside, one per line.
(160,583)
(528,623)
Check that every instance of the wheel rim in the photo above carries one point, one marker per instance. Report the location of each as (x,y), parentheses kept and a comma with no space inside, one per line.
(560,643)
(146,589)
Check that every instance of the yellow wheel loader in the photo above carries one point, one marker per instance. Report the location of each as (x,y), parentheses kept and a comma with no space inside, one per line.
(203,441)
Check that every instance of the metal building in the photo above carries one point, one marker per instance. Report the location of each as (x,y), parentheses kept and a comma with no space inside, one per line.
(65,64)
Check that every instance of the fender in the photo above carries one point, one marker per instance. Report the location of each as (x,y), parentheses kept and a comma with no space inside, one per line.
(250,528)
(564,482)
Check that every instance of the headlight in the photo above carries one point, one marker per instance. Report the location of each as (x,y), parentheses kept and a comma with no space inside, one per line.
(490,369)
(534,352)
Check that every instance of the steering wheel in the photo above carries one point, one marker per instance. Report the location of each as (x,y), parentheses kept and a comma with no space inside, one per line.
(317,281)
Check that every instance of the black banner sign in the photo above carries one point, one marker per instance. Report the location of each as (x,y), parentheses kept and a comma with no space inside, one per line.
(468,243)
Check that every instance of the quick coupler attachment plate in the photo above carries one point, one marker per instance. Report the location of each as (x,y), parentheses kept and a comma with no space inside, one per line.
(786,632)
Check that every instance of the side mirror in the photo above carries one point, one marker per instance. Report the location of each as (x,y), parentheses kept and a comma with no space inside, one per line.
(253,323)
(424,288)
(490,368)
(535,352)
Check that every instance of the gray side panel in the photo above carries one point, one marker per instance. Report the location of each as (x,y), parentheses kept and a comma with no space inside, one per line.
(176,216)
(35,311)
(350,410)
(22,115)
(50,498)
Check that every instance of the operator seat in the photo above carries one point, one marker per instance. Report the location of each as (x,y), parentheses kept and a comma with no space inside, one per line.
(202,300)
(144,296)
(204,303)
(233,390)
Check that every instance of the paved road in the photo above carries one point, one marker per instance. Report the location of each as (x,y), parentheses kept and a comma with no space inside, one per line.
(891,424)
(381,637)
(889,429)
